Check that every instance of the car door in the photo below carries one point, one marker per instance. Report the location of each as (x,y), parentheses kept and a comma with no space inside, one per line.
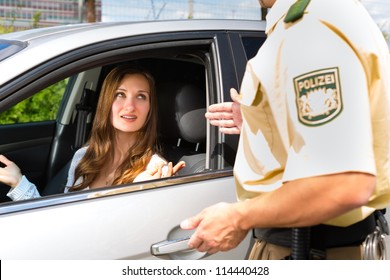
(140,220)
(113,224)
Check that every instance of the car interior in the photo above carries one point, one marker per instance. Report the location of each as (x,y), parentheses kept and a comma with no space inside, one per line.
(181,107)
(182,92)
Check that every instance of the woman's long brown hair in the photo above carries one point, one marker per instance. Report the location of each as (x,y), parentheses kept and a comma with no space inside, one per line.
(101,142)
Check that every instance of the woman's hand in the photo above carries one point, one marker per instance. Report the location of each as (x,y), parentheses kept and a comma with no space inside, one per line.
(159,172)
(172,170)
(10,174)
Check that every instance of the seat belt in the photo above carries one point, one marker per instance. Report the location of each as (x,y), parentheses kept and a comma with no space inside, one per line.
(83,108)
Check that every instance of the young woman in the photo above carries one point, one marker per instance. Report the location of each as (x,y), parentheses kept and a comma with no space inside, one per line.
(122,147)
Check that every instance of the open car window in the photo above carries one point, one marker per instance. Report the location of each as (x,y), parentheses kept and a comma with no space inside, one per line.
(184,77)
(42,106)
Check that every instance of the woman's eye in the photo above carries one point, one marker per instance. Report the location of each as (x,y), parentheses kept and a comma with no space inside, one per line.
(120,95)
(142,96)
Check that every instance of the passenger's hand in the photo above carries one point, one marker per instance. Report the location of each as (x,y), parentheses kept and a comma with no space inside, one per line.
(159,172)
(10,174)
(216,229)
(226,115)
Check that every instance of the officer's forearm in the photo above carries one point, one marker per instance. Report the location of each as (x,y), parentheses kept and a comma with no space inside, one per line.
(307,202)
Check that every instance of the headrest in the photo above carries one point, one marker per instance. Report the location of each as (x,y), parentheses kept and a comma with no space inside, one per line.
(181,112)
(190,107)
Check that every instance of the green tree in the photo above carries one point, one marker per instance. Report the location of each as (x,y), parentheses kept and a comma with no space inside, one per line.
(36,18)
(42,106)
(6,29)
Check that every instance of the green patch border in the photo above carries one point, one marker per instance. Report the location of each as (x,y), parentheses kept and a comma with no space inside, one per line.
(338,86)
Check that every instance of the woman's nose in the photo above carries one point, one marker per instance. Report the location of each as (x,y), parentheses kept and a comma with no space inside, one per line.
(130,103)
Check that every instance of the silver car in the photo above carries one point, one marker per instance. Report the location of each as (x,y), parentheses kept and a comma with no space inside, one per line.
(49,83)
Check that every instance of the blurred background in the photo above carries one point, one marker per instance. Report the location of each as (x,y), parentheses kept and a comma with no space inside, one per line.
(21,14)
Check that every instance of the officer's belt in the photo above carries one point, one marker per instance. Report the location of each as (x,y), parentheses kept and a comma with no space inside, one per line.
(322,236)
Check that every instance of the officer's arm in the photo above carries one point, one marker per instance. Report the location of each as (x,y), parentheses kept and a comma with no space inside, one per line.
(306,202)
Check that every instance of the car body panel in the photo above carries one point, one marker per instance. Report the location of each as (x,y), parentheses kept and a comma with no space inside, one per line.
(107,224)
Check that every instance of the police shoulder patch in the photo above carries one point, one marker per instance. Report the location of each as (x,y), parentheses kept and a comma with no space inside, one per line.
(318,96)
(296,11)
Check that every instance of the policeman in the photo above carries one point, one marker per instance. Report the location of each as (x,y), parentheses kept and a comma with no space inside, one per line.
(314,146)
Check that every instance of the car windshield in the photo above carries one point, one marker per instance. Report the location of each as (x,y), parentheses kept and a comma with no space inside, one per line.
(8,48)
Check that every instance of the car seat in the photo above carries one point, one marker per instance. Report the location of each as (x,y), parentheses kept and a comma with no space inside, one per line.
(183,125)
(57,184)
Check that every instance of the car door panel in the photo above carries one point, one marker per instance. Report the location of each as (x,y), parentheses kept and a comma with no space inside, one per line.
(128,223)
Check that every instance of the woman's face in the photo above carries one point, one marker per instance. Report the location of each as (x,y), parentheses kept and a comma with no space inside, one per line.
(131,104)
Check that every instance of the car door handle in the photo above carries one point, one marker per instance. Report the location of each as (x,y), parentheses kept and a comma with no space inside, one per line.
(170,246)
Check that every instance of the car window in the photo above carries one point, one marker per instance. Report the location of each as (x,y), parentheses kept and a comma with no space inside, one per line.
(252,45)
(42,106)
(184,78)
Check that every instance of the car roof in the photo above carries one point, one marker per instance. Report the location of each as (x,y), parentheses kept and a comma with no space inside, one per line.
(43,44)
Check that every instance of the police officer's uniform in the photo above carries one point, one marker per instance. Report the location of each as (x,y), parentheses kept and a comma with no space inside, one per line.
(316,100)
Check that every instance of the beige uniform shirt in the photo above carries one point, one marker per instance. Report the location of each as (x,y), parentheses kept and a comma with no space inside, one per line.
(316,100)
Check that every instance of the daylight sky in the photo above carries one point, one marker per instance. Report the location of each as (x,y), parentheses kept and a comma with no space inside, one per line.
(380,11)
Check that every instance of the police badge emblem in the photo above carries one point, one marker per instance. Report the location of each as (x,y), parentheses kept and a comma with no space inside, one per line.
(318,96)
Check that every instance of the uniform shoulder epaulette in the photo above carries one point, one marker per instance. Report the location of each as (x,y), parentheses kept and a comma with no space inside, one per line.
(296,11)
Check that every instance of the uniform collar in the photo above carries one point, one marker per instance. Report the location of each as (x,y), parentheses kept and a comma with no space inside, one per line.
(278,10)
